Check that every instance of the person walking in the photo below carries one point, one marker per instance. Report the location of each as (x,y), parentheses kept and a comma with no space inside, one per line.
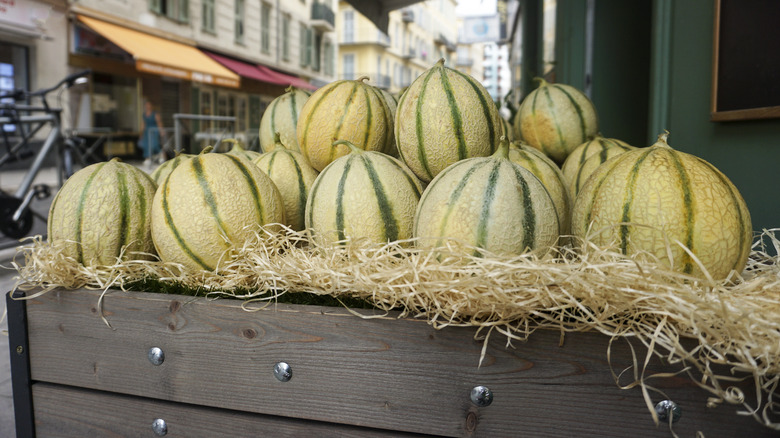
(152,135)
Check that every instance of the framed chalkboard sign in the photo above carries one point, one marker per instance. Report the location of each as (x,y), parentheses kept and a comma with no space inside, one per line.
(746,60)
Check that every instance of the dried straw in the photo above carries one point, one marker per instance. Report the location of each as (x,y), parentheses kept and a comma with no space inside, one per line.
(735,321)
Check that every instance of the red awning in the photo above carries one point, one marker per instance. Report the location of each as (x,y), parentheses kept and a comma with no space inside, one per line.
(286,79)
(246,70)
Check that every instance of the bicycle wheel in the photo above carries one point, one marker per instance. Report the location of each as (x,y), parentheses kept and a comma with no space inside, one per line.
(10,227)
(67,161)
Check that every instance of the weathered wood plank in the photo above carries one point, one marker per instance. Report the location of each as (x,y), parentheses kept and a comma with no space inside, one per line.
(381,373)
(67,412)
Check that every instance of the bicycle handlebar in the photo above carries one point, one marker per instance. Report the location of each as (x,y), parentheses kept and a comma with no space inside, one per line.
(68,81)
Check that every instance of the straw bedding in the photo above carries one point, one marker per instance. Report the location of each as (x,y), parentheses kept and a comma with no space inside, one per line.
(735,321)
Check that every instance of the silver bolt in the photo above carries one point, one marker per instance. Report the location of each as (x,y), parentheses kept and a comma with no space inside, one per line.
(481,396)
(160,427)
(156,356)
(663,408)
(282,371)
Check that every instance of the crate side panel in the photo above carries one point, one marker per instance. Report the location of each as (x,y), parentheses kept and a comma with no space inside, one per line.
(62,411)
(380,373)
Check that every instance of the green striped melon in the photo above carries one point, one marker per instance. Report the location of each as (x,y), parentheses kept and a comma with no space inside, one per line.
(102,213)
(208,204)
(392,101)
(163,170)
(555,118)
(344,110)
(238,150)
(445,116)
(282,116)
(585,158)
(508,131)
(293,177)
(550,175)
(363,195)
(489,203)
(653,200)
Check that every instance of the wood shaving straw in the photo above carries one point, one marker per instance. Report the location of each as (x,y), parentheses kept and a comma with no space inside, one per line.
(735,321)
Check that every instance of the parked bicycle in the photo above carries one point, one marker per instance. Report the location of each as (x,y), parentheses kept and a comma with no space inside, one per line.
(25,120)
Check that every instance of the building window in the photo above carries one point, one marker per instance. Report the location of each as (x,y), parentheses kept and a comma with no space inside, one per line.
(314,47)
(177,10)
(304,52)
(239,27)
(327,50)
(241,115)
(265,28)
(207,18)
(349,27)
(349,66)
(206,109)
(286,37)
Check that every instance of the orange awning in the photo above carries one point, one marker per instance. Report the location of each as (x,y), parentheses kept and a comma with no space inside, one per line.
(164,57)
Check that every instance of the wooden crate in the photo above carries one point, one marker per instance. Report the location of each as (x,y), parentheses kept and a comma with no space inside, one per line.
(350,376)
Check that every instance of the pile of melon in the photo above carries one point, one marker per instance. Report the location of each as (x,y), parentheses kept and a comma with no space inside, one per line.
(348,163)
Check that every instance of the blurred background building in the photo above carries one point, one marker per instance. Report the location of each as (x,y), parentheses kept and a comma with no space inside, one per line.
(416,37)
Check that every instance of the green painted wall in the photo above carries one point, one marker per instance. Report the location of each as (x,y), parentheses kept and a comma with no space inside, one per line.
(621,68)
(678,90)
(748,152)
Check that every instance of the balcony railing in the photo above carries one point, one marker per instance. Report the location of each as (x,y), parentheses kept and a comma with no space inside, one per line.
(322,17)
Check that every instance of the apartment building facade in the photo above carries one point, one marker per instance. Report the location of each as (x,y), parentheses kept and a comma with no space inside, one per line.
(202,57)
(417,37)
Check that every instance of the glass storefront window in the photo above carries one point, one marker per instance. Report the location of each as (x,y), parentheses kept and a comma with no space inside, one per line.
(114,103)
(13,72)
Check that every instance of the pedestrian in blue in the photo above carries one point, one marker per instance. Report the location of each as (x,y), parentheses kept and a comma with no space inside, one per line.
(152,134)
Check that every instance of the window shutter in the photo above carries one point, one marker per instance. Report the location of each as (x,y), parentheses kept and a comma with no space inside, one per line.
(303,37)
(184,10)
(155,6)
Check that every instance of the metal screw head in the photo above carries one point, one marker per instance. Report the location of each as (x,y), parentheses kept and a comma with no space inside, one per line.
(19,349)
(282,371)
(156,356)
(664,407)
(160,427)
(481,396)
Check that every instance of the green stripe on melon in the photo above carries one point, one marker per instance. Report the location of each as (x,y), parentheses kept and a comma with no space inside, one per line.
(344,110)
(363,195)
(555,118)
(101,213)
(489,203)
(209,204)
(654,200)
(293,177)
(585,158)
(445,116)
(281,117)
(550,175)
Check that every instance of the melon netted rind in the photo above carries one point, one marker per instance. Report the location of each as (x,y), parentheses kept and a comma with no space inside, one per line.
(671,205)
(487,203)
(443,117)
(281,117)
(574,168)
(101,215)
(555,118)
(550,175)
(364,195)
(293,177)
(349,110)
(209,203)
